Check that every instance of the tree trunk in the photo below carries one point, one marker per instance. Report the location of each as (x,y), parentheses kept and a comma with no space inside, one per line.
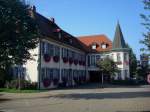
(102,80)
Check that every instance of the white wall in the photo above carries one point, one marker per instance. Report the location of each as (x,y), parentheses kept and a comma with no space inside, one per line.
(123,66)
(31,66)
(60,65)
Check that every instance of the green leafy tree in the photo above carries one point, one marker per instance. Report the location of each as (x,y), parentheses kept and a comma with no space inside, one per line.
(107,67)
(133,62)
(146,24)
(18,33)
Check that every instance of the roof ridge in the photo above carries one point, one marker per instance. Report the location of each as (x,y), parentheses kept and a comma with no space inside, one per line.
(91,35)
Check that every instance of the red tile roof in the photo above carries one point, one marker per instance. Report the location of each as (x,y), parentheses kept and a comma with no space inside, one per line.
(98,39)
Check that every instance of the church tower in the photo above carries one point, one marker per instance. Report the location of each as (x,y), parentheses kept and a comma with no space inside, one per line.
(120,55)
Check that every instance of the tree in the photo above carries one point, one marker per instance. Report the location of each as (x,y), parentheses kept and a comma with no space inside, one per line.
(107,66)
(132,61)
(18,33)
(146,24)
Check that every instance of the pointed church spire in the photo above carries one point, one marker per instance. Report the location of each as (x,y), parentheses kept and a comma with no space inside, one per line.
(118,42)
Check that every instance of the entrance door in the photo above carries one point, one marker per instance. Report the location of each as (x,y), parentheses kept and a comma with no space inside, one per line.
(95,76)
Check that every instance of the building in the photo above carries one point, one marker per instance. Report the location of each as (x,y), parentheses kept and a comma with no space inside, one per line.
(64,60)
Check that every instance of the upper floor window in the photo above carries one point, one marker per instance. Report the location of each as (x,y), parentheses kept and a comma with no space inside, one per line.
(97,57)
(125,57)
(93,62)
(64,52)
(112,56)
(57,51)
(94,45)
(118,57)
(103,46)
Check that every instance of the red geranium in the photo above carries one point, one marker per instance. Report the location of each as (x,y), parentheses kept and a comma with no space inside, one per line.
(119,63)
(126,62)
(83,63)
(70,60)
(56,58)
(47,57)
(75,62)
(80,62)
(65,60)
(46,82)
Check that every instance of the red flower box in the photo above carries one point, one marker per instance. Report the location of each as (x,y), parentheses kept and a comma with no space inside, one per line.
(46,82)
(83,63)
(56,58)
(75,62)
(126,62)
(70,60)
(55,81)
(47,57)
(65,60)
(80,62)
(119,63)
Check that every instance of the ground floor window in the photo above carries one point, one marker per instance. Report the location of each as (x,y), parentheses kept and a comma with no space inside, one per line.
(119,75)
(52,74)
(18,72)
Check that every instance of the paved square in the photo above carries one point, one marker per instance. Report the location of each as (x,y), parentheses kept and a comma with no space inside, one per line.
(87,98)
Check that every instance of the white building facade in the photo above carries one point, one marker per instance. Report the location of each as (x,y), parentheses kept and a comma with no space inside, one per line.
(62,60)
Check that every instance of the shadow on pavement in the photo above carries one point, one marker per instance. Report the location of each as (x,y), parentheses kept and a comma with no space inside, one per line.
(3,99)
(98,85)
(119,95)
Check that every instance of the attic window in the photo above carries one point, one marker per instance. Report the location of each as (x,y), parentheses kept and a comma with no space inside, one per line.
(104,45)
(94,45)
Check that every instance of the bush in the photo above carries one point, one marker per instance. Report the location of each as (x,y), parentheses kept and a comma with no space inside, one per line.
(124,82)
(24,84)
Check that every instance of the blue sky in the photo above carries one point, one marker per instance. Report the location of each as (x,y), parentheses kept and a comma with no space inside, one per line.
(89,17)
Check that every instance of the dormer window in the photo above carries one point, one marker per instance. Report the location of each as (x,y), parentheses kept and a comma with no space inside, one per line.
(104,45)
(94,45)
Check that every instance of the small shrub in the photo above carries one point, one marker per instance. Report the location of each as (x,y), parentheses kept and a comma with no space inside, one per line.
(124,82)
(24,84)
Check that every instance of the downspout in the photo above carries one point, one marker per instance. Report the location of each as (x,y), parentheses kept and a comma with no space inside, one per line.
(39,65)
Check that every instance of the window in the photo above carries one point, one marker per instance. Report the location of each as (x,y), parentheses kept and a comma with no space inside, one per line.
(93,63)
(126,74)
(57,51)
(47,73)
(75,74)
(88,60)
(97,57)
(94,46)
(103,46)
(43,73)
(119,74)
(112,56)
(118,57)
(56,74)
(125,57)
(64,52)
(42,47)
(75,55)
(50,49)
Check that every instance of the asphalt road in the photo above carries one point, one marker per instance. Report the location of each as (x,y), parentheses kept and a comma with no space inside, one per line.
(87,98)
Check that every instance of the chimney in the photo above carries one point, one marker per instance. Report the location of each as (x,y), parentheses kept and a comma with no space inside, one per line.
(52,20)
(33,8)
